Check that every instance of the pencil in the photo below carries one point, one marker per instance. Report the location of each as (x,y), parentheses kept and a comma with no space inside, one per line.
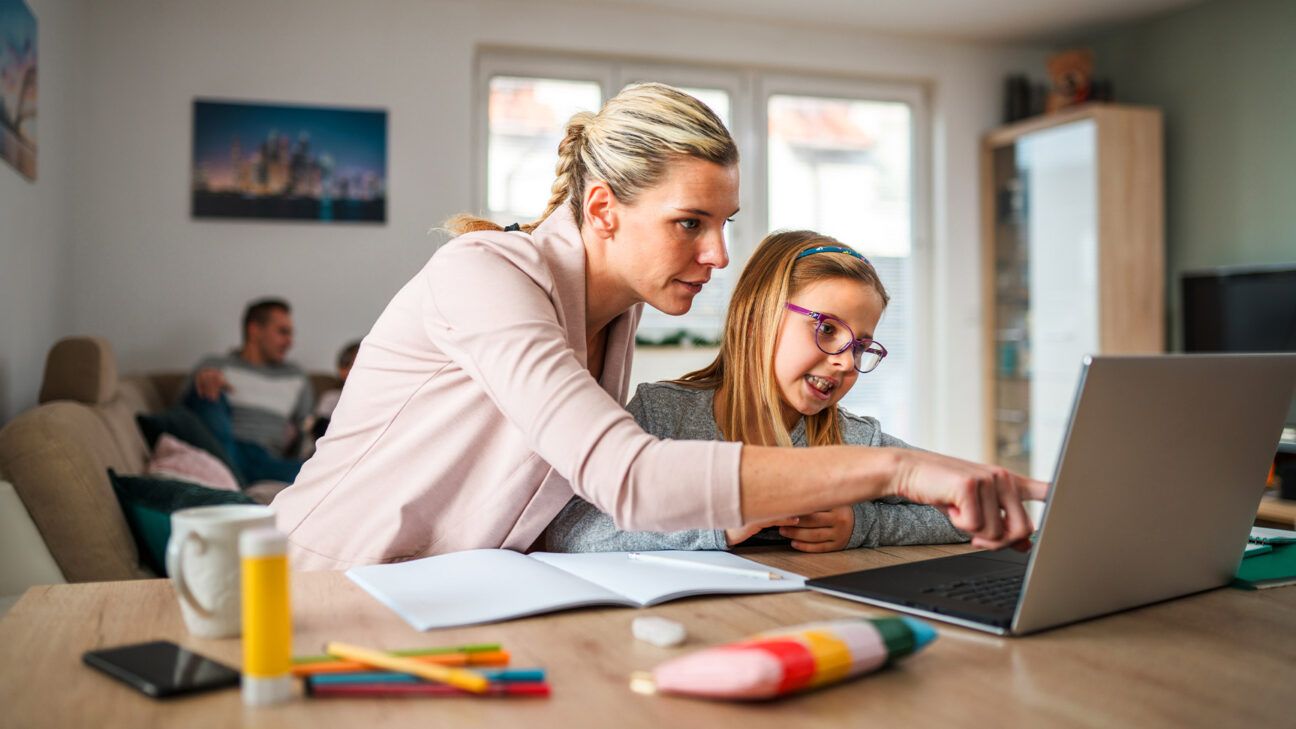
(507,675)
(458,677)
(325,690)
(707,566)
(485,658)
(414,652)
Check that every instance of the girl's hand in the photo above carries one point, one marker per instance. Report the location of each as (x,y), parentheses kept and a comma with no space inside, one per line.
(743,533)
(822,531)
(984,501)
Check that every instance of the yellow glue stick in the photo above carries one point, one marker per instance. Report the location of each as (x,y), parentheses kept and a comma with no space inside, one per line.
(267,618)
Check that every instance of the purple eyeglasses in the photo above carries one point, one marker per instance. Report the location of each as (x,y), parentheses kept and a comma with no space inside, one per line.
(834,336)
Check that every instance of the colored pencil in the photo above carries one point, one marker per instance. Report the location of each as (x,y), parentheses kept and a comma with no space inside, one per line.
(485,658)
(414,652)
(457,677)
(326,690)
(507,675)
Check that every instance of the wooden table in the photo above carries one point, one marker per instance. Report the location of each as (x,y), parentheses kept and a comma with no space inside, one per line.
(1276,512)
(1221,658)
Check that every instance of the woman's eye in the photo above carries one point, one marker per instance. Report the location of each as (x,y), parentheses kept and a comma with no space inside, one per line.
(689,223)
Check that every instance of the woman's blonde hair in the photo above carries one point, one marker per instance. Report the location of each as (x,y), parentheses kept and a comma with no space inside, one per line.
(628,144)
(749,406)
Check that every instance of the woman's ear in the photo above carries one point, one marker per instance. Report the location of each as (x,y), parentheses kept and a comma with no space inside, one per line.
(601,209)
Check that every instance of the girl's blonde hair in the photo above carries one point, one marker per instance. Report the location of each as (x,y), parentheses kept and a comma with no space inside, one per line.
(628,144)
(749,407)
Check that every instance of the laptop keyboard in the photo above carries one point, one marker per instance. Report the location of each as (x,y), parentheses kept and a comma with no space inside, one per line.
(999,592)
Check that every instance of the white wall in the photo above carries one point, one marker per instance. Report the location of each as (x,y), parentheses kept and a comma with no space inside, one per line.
(35,304)
(164,288)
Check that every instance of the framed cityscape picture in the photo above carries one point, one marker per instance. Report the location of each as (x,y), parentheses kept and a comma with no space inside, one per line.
(289,162)
(18,86)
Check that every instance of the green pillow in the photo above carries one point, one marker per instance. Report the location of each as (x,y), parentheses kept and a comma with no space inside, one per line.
(188,427)
(148,502)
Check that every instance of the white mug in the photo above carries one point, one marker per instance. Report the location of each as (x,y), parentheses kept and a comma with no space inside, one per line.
(203,562)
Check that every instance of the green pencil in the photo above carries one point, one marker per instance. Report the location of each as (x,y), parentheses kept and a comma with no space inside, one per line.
(473,648)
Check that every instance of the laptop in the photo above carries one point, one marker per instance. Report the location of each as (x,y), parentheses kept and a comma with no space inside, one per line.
(1153,497)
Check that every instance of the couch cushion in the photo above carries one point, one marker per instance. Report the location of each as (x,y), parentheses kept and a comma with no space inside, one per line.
(169,386)
(139,392)
(130,452)
(175,459)
(57,456)
(82,369)
(188,427)
(148,503)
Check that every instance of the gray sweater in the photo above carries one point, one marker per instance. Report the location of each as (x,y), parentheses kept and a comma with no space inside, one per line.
(265,400)
(668,410)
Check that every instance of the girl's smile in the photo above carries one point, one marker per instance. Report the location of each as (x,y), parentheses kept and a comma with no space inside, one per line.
(808,379)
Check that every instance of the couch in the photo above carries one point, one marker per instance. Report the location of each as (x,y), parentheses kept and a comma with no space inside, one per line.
(57,455)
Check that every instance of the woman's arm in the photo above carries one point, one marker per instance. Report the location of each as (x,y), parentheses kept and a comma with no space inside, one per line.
(984,501)
(889,521)
(495,312)
(581,527)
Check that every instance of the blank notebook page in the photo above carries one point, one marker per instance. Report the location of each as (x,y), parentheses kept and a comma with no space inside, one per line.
(477,586)
(647,583)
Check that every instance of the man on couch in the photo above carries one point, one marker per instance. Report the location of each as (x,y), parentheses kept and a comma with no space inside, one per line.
(253,400)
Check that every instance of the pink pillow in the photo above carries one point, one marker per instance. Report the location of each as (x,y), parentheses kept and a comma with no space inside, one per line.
(176,459)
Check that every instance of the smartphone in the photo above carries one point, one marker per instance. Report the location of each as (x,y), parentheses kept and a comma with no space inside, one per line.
(162,668)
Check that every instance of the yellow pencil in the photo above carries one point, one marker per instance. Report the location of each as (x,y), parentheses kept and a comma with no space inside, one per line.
(457,677)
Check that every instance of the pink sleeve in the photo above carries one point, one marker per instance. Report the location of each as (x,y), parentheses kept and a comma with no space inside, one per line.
(500,324)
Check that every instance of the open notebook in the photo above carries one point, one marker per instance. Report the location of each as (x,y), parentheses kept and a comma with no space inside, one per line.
(489,585)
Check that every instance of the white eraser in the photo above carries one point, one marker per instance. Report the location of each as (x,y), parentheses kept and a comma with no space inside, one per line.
(658,631)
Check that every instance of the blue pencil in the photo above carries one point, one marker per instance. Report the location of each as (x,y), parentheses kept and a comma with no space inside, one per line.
(505,675)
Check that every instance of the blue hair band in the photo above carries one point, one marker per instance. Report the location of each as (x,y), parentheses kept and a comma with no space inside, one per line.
(832,249)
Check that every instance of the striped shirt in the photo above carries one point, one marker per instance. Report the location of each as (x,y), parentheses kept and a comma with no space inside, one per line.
(267,402)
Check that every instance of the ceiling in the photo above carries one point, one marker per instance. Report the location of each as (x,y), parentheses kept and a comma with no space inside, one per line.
(971,20)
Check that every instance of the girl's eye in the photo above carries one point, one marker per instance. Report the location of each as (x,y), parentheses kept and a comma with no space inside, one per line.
(827,329)
(689,223)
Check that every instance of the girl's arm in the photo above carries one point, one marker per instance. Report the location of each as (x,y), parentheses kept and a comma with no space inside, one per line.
(881,524)
(582,528)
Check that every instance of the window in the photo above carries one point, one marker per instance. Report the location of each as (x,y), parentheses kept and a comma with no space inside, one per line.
(837,156)
(527,120)
(842,167)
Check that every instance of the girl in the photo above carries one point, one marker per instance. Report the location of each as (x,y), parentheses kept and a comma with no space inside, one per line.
(490,390)
(798,334)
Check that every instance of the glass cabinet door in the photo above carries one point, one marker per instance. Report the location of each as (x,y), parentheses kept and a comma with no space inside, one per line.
(1046,283)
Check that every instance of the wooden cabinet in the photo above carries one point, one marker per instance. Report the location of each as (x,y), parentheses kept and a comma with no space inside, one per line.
(1073,257)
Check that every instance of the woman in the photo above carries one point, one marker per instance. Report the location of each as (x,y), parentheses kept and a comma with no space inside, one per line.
(489,391)
(797,337)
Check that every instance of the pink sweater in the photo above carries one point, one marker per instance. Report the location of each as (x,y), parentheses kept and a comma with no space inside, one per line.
(469,419)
